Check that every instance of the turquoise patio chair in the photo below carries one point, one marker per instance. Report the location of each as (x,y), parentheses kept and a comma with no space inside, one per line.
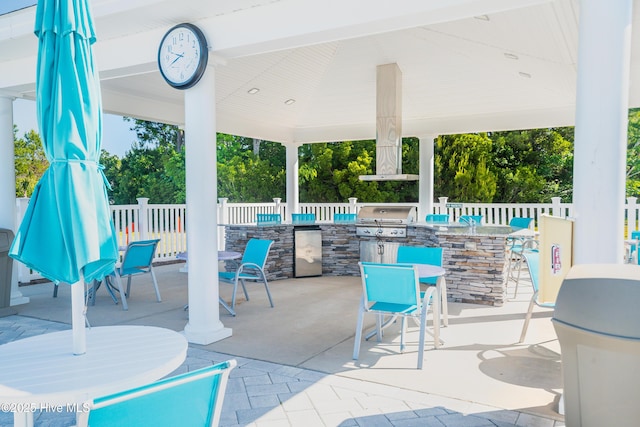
(344,218)
(426,255)
(635,235)
(251,268)
(439,218)
(515,245)
(532,260)
(268,219)
(421,255)
(520,222)
(470,219)
(191,399)
(394,290)
(137,259)
(516,258)
(298,218)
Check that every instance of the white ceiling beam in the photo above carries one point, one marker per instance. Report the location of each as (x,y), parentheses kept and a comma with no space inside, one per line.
(291,24)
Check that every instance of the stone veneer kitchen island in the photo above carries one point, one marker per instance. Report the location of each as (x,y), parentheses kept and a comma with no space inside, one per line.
(475,260)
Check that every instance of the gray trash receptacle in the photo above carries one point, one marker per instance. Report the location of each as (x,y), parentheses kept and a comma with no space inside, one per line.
(597,320)
(6,267)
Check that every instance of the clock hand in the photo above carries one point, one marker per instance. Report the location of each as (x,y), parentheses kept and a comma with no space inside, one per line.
(178,56)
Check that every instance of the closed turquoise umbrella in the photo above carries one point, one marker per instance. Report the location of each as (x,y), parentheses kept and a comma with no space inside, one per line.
(67,234)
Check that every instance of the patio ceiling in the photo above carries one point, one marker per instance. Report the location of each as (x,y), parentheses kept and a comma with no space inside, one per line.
(468,65)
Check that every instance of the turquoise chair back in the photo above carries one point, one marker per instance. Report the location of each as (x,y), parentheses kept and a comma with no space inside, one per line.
(307,218)
(635,235)
(256,252)
(533,263)
(191,399)
(344,218)
(268,219)
(421,255)
(391,288)
(138,257)
(477,219)
(444,218)
(518,223)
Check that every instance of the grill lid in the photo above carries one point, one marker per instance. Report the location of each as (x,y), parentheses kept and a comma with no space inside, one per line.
(400,215)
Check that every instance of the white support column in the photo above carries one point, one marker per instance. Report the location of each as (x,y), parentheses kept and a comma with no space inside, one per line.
(143,213)
(7,168)
(8,187)
(204,325)
(293,190)
(425,183)
(601,131)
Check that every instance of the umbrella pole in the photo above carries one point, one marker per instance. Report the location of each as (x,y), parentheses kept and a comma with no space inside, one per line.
(77,317)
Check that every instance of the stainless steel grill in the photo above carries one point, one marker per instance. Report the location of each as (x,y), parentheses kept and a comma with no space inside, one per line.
(384,221)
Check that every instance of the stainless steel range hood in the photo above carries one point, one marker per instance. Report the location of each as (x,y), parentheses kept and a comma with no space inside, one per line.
(389,126)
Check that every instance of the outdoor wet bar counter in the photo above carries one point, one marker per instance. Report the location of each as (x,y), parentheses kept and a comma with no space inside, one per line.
(474,259)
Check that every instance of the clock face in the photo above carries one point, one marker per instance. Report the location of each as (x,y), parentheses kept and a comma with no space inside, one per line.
(182,56)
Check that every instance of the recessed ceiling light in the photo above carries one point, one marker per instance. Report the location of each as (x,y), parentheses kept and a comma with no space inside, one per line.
(482,17)
(289,101)
(253,91)
(510,56)
(525,75)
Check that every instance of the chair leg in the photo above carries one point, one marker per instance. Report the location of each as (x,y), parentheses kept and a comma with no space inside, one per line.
(528,317)
(155,284)
(244,289)
(110,288)
(521,260)
(379,326)
(403,330)
(128,286)
(233,295)
(358,338)
(266,286)
(444,308)
(423,329)
(55,290)
(123,296)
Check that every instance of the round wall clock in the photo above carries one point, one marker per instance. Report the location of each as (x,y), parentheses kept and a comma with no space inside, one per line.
(183,55)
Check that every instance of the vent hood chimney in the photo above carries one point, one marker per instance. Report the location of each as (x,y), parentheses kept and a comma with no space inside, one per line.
(389,126)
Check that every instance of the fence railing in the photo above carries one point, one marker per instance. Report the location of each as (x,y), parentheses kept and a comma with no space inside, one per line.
(168,222)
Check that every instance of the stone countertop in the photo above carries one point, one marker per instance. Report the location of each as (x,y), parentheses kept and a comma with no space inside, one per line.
(286,224)
(465,230)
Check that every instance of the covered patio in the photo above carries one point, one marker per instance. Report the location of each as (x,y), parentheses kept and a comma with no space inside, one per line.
(303,72)
(295,359)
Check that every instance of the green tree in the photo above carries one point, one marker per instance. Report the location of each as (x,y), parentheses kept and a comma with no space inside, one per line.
(245,175)
(143,169)
(533,165)
(30,161)
(111,164)
(461,168)
(155,135)
(633,153)
(330,172)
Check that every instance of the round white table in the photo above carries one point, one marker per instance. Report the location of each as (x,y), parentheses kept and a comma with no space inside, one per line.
(41,372)
(222,256)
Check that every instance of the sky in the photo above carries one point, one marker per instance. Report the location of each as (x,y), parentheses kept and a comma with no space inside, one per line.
(116,136)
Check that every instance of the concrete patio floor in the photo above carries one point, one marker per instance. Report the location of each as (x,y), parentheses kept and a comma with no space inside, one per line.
(480,369)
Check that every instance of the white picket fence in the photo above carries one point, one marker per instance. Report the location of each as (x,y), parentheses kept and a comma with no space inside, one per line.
(167,221)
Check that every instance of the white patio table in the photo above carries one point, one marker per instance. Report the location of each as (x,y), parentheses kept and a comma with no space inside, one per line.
(41,372)
(222,256)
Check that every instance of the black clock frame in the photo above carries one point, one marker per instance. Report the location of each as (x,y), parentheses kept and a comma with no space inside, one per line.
(202,63)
